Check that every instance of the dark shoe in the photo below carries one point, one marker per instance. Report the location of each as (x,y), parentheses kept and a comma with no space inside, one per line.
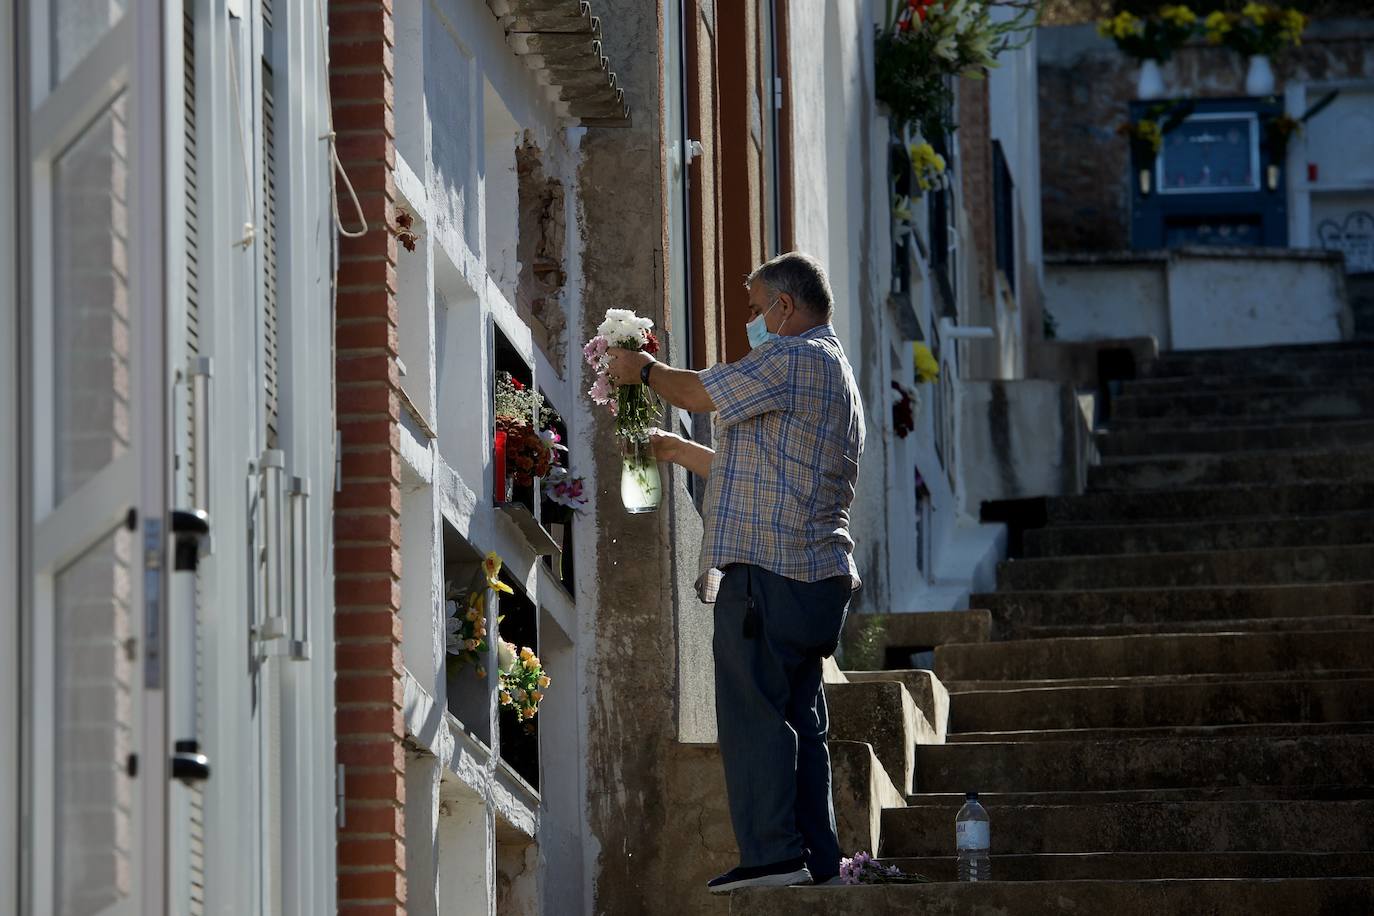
(779,874)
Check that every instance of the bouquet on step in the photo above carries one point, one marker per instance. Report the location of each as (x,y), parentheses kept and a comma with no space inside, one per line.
(864,869)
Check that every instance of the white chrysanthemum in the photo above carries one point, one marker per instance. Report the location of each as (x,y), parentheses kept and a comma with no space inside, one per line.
(623,324)
(616,323)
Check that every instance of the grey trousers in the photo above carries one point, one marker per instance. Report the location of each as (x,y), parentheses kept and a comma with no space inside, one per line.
(771,634)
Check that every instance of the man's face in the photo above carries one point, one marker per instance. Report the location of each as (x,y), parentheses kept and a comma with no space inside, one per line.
(761,300)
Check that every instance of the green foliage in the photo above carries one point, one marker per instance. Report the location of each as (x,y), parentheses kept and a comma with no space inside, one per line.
(864,650)
(928,44)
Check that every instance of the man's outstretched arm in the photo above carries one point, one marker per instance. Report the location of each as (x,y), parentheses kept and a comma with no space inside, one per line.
(679,387)
(693,456)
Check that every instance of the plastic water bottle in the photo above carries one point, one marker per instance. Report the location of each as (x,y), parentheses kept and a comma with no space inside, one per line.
(973,837)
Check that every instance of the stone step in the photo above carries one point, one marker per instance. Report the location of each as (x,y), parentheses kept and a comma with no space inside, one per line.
(1344,401)
(860,790)
(1345,356)
(1181,537)
(1213,897)
(1311,377)
(1150,866)
(1215,503)
(1127,656)
(1256,625)
(1256,677)
(1233,437)
(883,715)
(992,800)
(1234,468)
(1135,705)
(1014,611)
(1244,826)
(1272,566)
(1258,729)
(929,695)
(1152,763)
(1165,425)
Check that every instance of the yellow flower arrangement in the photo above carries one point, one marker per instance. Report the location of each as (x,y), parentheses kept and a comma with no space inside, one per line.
(928,165)
(927,367)
(1153,38)
(1217,25)
(1258,28)
(1178,15)
(1122,25)
(523,680)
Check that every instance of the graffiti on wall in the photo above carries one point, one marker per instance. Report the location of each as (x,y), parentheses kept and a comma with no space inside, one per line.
(1353,236)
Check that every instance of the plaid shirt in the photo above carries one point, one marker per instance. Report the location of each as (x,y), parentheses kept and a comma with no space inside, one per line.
(790,429)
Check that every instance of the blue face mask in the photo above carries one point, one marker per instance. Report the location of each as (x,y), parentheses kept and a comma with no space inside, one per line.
(758,329)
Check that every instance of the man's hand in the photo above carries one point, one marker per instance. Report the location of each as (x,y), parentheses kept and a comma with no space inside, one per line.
(666,446)
(672,447)
(679,387)
(623,366)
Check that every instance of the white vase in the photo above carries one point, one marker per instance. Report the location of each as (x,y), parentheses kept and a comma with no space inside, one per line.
(1151,84)
(640,487)
(1259,78)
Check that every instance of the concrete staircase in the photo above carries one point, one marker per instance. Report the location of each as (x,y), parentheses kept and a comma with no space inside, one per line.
(1175,710)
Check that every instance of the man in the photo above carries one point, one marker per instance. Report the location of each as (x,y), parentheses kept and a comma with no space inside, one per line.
(776,559)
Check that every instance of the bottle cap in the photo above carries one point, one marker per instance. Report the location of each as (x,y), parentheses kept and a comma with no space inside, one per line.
(971,796)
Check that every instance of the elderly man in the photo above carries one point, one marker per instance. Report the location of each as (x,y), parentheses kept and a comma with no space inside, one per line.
(776,559)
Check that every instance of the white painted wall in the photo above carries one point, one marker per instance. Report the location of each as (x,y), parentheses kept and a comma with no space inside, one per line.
(1014,121)
(1127,298)
(841,216)
(1023,438)
(469,100)
(1199,298)
(1254,302)
(9,479)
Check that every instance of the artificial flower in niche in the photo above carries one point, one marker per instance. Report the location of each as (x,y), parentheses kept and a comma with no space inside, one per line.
(491,567)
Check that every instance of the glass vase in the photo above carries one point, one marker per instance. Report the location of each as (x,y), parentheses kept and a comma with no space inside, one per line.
(640,487)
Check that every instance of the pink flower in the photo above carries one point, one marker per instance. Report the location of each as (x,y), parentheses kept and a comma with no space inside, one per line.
(595,350)
(601,391)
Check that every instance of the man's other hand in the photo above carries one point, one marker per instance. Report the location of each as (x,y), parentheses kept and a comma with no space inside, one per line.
(623,365)
(666,446)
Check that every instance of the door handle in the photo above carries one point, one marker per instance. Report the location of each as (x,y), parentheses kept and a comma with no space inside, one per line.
(298,498)
(201,371)
(271,471)
(190,534)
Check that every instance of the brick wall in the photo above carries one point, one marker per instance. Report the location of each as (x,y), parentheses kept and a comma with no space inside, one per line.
(367,531)
(975,156)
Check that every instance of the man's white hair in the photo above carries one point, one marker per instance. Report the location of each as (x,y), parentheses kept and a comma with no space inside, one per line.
(800,276)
